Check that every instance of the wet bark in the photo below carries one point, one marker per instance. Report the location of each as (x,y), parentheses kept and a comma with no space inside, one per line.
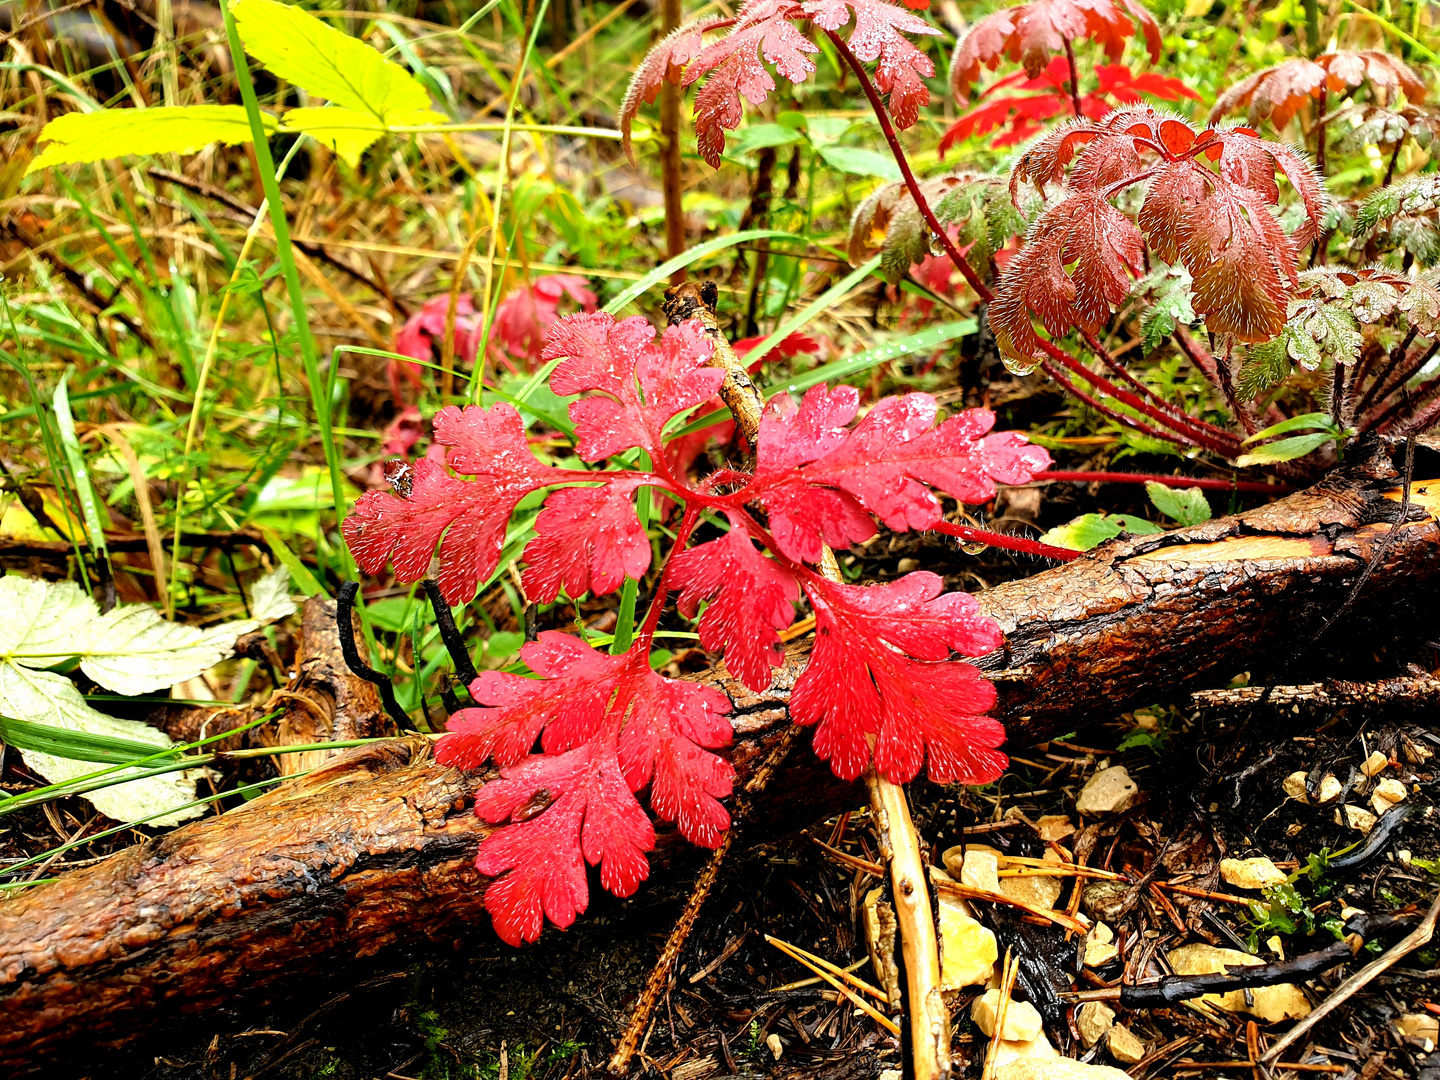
(377,847)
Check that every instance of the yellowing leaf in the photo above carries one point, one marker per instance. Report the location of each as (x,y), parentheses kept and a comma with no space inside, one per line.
(298,47)
(344,131)
(111,133)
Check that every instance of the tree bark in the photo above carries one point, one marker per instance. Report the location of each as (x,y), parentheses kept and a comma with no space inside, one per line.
(377,847)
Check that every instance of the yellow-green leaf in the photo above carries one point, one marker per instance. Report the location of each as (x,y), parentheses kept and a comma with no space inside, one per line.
(111,133)
(345,131)
(322,61)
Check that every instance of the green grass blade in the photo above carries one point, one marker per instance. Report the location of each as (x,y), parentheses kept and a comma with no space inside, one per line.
(694,255)
(79,475)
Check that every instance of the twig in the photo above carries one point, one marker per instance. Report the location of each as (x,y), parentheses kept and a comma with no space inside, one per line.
(1416,939)
(449,634)
(1009,970)
(854,998)
(966,892)
(345,625)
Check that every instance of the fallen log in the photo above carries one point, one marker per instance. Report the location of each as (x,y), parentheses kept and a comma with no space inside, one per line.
(377,847)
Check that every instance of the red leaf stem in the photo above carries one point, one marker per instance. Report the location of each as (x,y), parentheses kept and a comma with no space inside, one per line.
(1007,543)
(1105,410)
(1204,483)
(936,229)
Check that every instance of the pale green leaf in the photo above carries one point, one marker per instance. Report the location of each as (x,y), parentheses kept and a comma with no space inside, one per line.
(111,133)
(1187,506)
(1266,366)
(270,597)
(1296,446)
(42,697)
(1091,530)
(299,48)
(861,161)
(1301,422)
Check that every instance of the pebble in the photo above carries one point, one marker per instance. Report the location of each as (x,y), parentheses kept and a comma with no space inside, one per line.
(1375,764)
(1094,1019)
(1022,1021)
(776,1046)
(1294,786)
(1329,788)
(968,951)
(1055,827)
(977,869)
(1124,1046)
(1104,899)
(1391,790)
(1037,891)
(1271,1003)
(1355,817)
(1418,1026)
(1098,948)
(1257,873)
(907,566)
(1037,1048)
(1109,791)
(1058,1069)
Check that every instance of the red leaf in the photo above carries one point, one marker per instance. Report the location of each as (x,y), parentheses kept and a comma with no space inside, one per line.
(790,347)
(587,540)
(424,331)
(609,727)
(489,443)
(610,357)
(1032,33)
(880,669)
(879,35)
(753,597)
(1279,92)
(524,317)
(664,63)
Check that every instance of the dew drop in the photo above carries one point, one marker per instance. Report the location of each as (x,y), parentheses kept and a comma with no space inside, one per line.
(933,243)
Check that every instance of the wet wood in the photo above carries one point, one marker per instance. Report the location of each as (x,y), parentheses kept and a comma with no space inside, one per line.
(377,847)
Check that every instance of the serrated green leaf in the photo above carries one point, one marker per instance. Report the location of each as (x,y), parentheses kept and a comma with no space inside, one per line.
(1091,530)
(344,131)
(111,133)
(1319,331)
(1296,446)
(1186,506)
(1266,366)
(299,48)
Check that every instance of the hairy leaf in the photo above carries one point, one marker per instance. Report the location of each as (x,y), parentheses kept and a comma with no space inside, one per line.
(1278,93)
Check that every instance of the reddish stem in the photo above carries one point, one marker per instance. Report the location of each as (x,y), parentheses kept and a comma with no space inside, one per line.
(1420,422)
(873,95)
(1074,77)
(1173,410)
(662,587)
(1384,383)
(1009,543)
(1407,402)
(1207,484)
(1119,417)
(1191,435)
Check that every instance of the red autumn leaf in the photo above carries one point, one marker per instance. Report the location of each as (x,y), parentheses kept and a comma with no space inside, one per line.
(609,727)
(664,63)
(1278,93)
(1125,86)
(1031,33)
(422,335)
(751,597)
(525,316)
(472,516)
(880,670)
(791,346)
(587,540)
(879,35)
(612,357)
(1105,248)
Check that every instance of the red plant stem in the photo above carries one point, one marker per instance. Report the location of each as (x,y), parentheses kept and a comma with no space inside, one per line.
(1381,386)
(1320,127)
(1119,417)
(1206,483)
(1380,413)
(1209,366)
(1422,421)
(1338,390)
(873,95)
(1074,77)
(1170,408)
(1407,401)
(1394,157)
(1191,435)
(662,587)
(1008,543)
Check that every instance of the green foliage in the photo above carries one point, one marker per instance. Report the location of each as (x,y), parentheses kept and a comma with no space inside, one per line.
(1170,305)
(1185,506)
(1091,530)
(1321,426)
(110,133)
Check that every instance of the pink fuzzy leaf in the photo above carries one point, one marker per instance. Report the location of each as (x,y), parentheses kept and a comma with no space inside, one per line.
(751,597)
(663,63)
(880,670)
(587,540)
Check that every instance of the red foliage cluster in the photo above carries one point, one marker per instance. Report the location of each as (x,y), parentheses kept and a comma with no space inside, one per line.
(1118,85)
(1278,93)
(1032,33)
(880,676)
(765,32)
(1208,207)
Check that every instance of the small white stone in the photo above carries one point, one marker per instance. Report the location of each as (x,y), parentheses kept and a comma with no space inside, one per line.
(1418,1026)
(1375,764)
(907,566)
(978,870)
(1355,817)
(1037,1048)
(776,1046)
(1294,787)
(1110,791)
(1328,789)
(1098,954)
(1094,1019)
(1124,1046)
(1256,873)
(1391,790)
(1022,1021)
